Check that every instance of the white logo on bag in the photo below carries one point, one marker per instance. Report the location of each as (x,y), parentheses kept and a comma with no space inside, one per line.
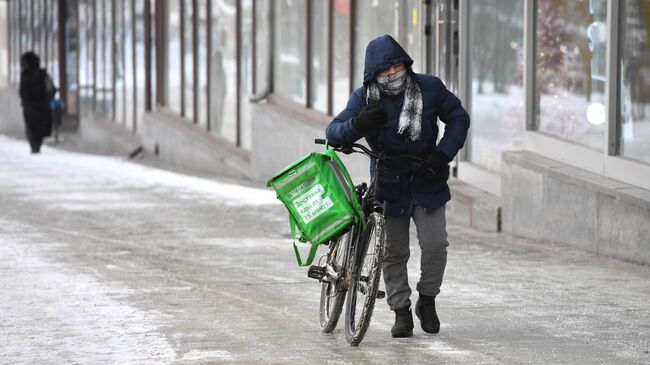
(311,204)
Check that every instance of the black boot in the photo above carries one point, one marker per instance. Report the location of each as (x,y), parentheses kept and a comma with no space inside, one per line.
(425,309)
(403,323)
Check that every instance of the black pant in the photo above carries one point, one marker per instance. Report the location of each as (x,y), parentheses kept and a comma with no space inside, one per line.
(35,139)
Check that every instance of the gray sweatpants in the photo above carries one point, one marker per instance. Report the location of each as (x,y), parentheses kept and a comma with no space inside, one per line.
(432,237)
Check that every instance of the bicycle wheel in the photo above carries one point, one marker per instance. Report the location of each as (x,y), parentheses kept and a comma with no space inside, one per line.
(364,284)
(334,286)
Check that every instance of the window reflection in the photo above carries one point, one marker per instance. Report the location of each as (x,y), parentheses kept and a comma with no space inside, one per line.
(341,57)
(173,59)
(571,80)
(374,18)
(188,59)
(3,46)
(290,41)
(635,80)
(202,97)
(246,72)
(319,59)
(223,70)
(496,44)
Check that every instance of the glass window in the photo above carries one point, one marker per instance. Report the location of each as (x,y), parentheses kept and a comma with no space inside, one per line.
(635,80)
(262,40)
(496,57)
(103,34)
(72,57)
(27,26)
(120,60)
(54,43)
(246,73)
(129,66)
(223,70)
(571,79)
(154,64)
(320,56)
(415,33)
(290,40)
(37,25)
(341,57)
(12,41)
(188,58)
(173,59)
(4,47)
(202,97)
(85,53)
(374,18)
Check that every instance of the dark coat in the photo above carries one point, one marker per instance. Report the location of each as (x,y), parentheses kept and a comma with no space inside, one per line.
(401,185)
(34,96)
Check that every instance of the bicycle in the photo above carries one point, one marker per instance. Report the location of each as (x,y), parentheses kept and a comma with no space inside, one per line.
(354,258)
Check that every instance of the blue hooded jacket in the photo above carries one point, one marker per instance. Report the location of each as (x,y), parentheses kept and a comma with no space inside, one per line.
(400,185)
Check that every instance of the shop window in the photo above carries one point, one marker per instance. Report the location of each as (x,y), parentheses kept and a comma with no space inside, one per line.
(223,69)
(289,73)
(173,59)
(496,73)
(341,56)
(319,54)
(635,80)
(202,61)
(374,18)
(571,79)
(188,58)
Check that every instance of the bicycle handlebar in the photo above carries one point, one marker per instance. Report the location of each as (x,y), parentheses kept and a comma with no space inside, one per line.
(347,149)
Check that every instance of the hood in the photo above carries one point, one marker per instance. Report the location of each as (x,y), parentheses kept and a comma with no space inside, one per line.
(29,61)
(381,53)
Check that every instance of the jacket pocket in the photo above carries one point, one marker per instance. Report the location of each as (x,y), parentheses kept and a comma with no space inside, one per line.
(392,185)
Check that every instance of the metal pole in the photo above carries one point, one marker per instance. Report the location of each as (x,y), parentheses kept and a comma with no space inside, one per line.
(612,90)
(530,93)
(239,68)
(147,55)
(208,126)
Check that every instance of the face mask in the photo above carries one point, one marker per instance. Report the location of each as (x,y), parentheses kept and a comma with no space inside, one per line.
(394,84)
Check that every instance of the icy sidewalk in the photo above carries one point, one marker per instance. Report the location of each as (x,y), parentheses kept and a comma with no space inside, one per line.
(55,168)
(103,261)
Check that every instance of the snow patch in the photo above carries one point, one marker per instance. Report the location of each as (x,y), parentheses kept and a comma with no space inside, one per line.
(198,355)
(65,173)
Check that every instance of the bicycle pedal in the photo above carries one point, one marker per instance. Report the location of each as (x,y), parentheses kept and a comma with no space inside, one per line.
(316,272)
(381,294)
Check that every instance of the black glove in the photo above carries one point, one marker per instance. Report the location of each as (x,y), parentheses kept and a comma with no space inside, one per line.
(436,161)
(371,117)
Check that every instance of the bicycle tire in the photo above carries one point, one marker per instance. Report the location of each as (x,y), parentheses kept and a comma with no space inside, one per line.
(368,258)
(332,294)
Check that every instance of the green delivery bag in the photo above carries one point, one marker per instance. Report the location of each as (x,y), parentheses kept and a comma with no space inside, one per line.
(320,197)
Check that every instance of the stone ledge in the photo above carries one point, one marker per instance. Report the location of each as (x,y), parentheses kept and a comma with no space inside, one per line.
(546,199)
(167,136)
(580,178)
(474,207)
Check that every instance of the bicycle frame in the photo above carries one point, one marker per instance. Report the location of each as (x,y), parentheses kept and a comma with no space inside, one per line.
(367,195)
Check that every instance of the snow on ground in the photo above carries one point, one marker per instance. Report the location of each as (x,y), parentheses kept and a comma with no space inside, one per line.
(65,169)
(50,312)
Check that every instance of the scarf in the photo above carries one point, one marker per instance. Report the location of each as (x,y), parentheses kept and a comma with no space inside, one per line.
(410,117)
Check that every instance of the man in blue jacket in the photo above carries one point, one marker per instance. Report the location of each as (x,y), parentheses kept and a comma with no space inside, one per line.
(396,110)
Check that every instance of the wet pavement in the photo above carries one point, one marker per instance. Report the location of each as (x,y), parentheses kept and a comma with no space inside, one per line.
(104,261)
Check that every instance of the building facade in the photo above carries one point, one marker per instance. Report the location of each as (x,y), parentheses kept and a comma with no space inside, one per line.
(557,91)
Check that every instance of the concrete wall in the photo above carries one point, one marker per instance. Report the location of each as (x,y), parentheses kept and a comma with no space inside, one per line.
(11,113)
(183,144)
(546,199)
(102,136)
(281,137)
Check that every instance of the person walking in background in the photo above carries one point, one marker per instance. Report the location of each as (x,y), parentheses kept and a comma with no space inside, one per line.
(396,110)
(36,90)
